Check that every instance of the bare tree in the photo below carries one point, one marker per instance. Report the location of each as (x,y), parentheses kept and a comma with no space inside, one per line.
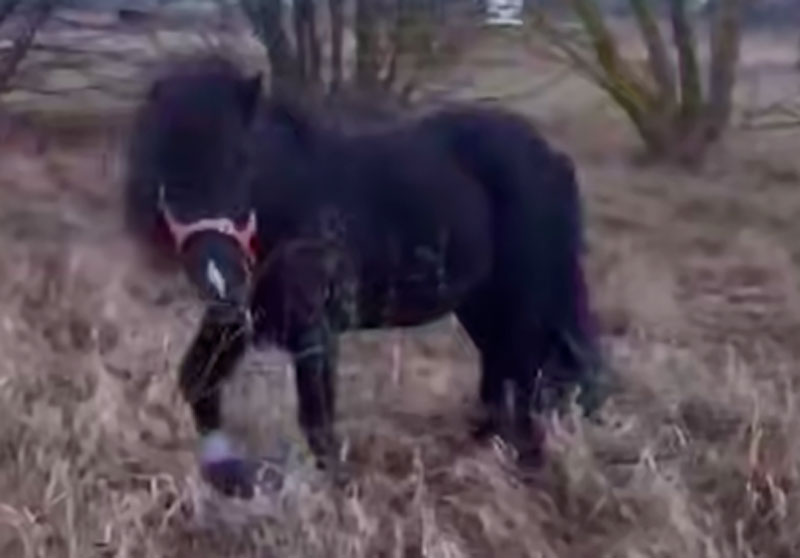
(394,39)
(676,116)
(266,18)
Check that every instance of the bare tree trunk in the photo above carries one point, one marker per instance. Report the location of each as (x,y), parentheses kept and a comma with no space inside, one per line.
(337,43)
(604,45)
(299,17)
(725,46)
(400,42)
(367,56)
(10,62)
(266,17)
(314,46)
(613,74)
(677,120)
(308,46)
(414,32)
(658,57)
(686,45)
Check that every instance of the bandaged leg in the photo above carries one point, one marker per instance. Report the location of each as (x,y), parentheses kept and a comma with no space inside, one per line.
(225,468)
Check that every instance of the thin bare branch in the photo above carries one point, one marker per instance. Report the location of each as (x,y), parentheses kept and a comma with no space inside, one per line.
(266,18)
(606,69)
(780,115)
(669,111)
(686,44)
(725,45)
(308,50)
(786,107)
(563,47)
(603,41)
(771,126)
(660,64)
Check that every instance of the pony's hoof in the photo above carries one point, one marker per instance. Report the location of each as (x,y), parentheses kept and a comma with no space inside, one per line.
(232,477)
(325,447)
(529,445)
(225,470)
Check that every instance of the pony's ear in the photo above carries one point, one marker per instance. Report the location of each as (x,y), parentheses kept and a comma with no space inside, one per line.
(250,93)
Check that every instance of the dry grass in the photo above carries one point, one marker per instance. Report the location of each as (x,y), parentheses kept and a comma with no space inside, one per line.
(696,281)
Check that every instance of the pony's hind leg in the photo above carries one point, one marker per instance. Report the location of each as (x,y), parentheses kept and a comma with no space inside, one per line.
(476,316)
(209,361)
(510,353)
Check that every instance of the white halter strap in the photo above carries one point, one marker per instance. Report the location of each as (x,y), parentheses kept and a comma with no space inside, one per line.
(182,231)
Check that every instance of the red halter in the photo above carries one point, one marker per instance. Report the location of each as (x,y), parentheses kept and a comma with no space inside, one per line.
(245,237)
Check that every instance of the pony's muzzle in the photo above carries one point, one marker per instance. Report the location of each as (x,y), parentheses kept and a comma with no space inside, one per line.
(231,315)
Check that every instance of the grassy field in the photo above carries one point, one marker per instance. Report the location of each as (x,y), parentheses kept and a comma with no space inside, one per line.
(695,277)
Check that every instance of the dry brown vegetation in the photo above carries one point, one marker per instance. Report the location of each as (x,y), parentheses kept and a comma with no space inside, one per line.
(696,281)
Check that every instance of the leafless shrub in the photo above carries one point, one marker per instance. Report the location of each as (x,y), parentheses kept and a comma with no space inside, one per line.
(676,116)
(395,41)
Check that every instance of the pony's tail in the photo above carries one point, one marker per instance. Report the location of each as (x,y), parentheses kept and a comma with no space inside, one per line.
(530,182)
(579,359)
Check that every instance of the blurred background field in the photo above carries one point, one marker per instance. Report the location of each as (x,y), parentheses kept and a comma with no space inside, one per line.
(694,272)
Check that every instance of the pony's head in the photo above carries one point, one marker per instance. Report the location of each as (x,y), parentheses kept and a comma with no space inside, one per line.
(188,180)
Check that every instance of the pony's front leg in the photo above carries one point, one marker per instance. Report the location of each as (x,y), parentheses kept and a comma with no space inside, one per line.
(315,355)
(209,361)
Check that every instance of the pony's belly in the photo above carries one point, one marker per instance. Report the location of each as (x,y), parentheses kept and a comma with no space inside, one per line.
(402,313)
(406,301)
(405,281)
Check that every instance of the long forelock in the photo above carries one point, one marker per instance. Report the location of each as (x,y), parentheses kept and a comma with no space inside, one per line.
(178,100)
(140,186)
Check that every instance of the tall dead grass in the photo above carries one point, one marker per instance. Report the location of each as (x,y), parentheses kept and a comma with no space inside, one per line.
(96,461)
(696,455)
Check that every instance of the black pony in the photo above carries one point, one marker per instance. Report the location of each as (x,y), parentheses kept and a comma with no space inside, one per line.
(295,231)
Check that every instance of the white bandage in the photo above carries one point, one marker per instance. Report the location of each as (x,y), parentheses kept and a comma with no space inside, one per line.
(216,446)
